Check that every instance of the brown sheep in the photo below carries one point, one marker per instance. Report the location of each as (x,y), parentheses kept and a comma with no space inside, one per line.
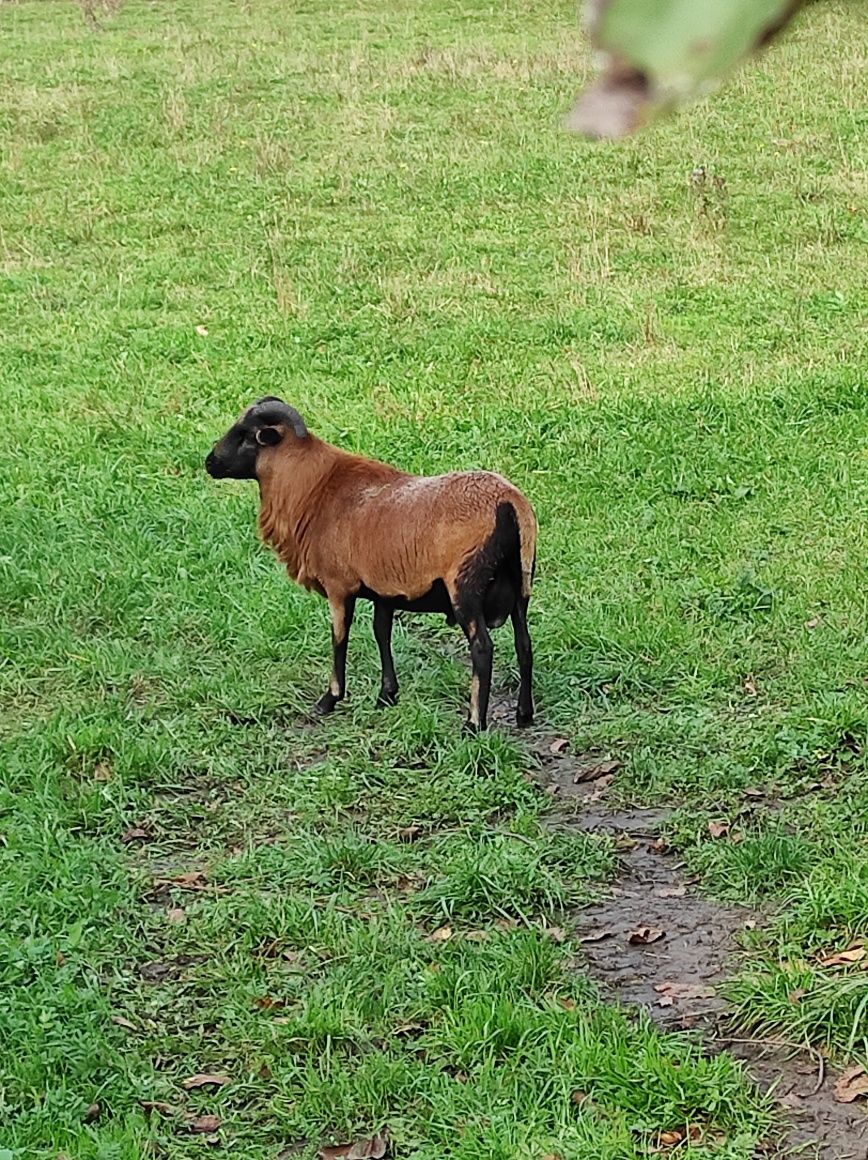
(348,527)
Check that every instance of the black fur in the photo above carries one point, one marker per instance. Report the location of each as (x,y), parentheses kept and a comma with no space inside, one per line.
(436,599)
(329,699)
(235,455)
(491,580)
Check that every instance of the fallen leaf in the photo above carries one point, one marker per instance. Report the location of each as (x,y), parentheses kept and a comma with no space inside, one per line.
(102,772)
(373,1149)
(119,1021)
(410,833)
(205,1079)
(596,936)
(441,934)
(753,792)
(675,991)
(191,880)
(853,954)
(477,936)
(796,996)
(156,971)
(811,624)
(791,1100)
(92,1114)
(672,892)
(204,1124)
(160,1106)
(612,765)
(718,829)
(60,959)
(598,771)
(749,685)
(506,923)
(267,1003)
(851,1084)
(408,1029)
(660,846)
(670,1139)
(176,915)
(567,1003)
(556,933)
(135,834)
(643,935)
(558,745)
(601,785)
(202,330)
(577,1097)
(665,1001)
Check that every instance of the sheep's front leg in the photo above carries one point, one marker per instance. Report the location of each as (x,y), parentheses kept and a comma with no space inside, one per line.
(342,609)
(383,618)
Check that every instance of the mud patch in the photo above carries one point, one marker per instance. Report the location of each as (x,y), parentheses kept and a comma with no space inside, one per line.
(655,942)
(817,1127)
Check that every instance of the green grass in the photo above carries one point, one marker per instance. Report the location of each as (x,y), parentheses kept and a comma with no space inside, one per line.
(373,211)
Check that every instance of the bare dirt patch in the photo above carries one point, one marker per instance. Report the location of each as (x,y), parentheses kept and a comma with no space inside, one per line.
(653,941)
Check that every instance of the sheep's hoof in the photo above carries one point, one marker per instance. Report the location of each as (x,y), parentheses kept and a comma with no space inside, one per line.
(470,728)
(386,699)
(523,718)
(325,704)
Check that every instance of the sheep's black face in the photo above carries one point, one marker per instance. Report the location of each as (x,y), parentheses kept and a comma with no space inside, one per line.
(261,426)
(235,456)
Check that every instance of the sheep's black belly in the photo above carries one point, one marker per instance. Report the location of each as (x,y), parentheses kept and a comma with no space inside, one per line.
(436,599)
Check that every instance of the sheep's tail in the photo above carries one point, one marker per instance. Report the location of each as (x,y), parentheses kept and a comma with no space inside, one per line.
(527,529)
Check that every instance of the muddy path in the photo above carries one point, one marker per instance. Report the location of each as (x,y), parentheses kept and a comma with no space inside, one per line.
(655,942)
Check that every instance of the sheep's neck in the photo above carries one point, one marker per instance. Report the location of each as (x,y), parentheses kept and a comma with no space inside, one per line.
(287,498)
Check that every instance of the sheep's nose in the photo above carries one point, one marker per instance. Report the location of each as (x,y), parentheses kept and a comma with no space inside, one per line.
(211,464)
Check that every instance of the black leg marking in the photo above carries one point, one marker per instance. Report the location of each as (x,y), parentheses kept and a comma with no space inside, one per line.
(383,617)
(481,656)
(342,619)
(524,654)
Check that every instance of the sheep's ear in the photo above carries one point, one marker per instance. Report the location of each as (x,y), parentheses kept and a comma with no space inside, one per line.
(268,436)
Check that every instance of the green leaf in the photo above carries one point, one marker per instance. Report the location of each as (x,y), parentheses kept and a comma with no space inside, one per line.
(663,52)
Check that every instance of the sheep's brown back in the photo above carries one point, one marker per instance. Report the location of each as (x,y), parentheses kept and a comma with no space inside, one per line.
(406,532)
(339,521)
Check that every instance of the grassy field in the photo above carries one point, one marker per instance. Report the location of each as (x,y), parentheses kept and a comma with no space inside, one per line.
(370,209)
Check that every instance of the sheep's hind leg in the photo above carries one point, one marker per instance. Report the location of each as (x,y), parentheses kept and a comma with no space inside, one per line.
(342,610)
(481,657)
(384,615)
(524,654)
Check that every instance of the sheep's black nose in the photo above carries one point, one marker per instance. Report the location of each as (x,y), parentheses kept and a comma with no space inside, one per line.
(211,465)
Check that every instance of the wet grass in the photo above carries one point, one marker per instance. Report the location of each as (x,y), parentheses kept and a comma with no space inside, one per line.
(372,211)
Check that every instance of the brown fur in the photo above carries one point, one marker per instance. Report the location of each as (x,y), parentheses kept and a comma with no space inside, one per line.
(339,521)
(462,544)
